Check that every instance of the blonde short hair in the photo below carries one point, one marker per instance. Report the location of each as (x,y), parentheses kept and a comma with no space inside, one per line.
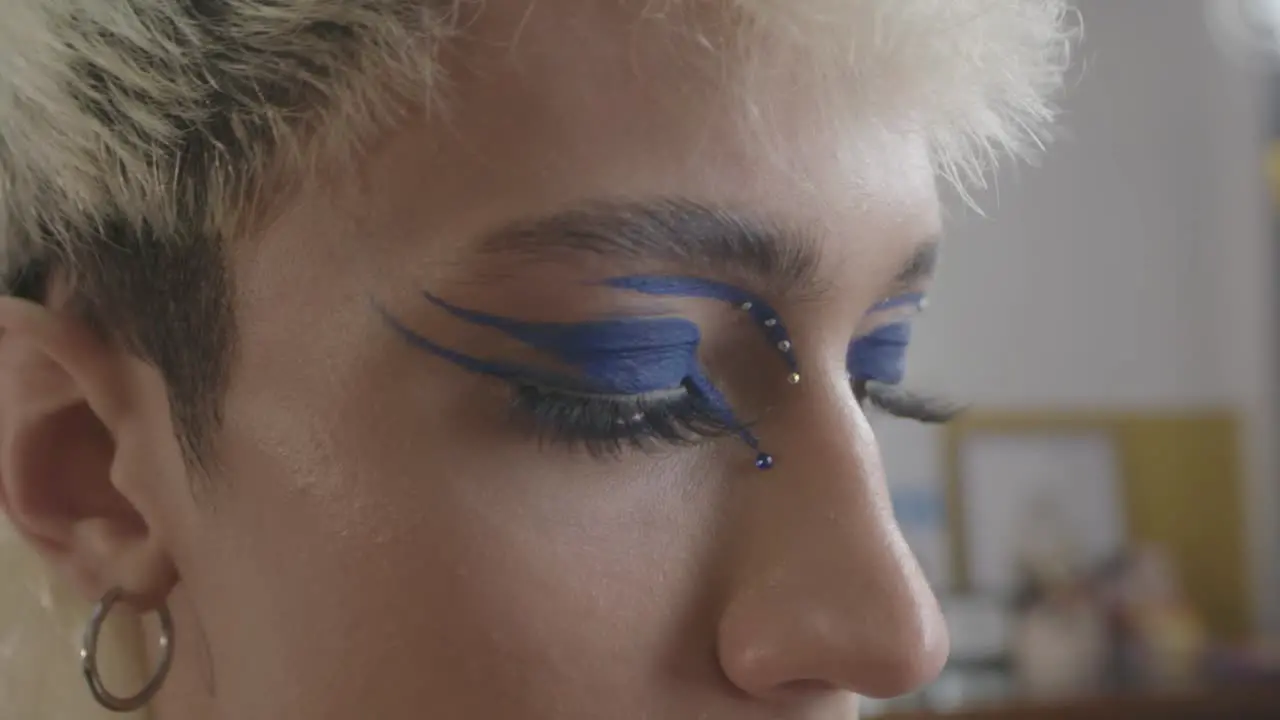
(157,113)
(164,125)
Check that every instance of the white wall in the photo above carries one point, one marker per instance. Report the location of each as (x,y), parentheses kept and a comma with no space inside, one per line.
(1133,268)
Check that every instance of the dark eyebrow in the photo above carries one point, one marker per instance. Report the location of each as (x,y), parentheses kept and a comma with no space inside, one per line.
(677,232)
(921,267)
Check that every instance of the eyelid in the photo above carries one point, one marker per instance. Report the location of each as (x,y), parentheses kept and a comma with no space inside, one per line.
(913,299)
(898,309)
(880,355)
(623,356)
(892,311)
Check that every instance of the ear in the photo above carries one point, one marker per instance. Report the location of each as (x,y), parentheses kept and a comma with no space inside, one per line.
(73,412)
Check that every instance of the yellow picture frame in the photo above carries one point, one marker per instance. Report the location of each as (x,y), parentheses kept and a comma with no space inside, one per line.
(1180,476)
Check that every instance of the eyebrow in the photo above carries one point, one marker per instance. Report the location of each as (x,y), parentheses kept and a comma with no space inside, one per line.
(921,266)
(691,236)
(677,232)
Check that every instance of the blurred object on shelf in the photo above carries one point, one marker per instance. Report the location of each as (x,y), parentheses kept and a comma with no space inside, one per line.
(980,628)
(1116,640)
(1060,645)
(1158,637)
(1256,662)
(1098,560)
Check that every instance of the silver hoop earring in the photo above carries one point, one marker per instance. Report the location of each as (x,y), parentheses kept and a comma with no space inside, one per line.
(89,657)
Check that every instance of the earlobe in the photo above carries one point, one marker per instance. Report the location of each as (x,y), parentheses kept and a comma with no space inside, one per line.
(66,399)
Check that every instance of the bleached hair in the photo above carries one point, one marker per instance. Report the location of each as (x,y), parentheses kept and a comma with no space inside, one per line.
(137,136)
(174,115)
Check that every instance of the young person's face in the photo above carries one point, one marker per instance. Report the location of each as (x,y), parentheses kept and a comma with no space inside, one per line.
(424,506)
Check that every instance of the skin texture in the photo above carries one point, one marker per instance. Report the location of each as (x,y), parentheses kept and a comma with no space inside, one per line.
(377,537)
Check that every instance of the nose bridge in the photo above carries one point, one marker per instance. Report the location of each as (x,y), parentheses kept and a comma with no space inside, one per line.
(828,460)
(826,593)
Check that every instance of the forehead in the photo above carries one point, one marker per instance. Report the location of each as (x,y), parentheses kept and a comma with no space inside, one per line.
(558,81)
(554,103)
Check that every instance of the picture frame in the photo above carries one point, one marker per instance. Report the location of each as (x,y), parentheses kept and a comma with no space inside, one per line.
(1028,489)
(1180,487)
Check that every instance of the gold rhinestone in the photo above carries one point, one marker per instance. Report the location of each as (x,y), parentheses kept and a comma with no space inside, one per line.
(794,378)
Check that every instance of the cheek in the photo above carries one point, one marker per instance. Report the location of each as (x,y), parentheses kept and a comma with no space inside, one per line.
(438,549)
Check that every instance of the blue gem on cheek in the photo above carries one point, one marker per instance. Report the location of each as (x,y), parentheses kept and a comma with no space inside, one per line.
(764,461)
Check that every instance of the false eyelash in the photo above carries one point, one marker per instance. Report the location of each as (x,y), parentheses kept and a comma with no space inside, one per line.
(906,404)
(609,424)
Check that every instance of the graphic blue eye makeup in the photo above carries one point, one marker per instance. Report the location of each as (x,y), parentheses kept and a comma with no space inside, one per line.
(625,356)
(635,379)
(876,364)
(880,356)
(691,287)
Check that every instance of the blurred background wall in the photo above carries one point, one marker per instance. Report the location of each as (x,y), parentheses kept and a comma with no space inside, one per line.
(1134,271)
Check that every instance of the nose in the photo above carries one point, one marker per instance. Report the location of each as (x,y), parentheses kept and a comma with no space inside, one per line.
(825,595)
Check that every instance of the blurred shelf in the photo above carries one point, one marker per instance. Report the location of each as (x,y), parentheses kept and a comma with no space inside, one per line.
(1253,703)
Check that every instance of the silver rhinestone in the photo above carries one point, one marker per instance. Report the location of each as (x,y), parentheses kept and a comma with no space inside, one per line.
(794,378)
(637,417)
(747,306)
(771,322)
(785,346)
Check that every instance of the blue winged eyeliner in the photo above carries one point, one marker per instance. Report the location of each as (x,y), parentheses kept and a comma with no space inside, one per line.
(642,374)
(616,357)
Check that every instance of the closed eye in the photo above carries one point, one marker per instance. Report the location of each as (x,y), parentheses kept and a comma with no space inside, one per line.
(609,424)
(907,404)
(881,355)
(635,381)
(876,365)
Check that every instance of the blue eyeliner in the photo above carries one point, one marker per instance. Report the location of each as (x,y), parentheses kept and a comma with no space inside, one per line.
(764,315)
(620,359)
(881,356)
(915,299)
(626,357)
(617,357)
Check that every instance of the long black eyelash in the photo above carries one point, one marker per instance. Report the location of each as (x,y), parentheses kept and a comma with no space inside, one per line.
(902,403)
(605,424)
